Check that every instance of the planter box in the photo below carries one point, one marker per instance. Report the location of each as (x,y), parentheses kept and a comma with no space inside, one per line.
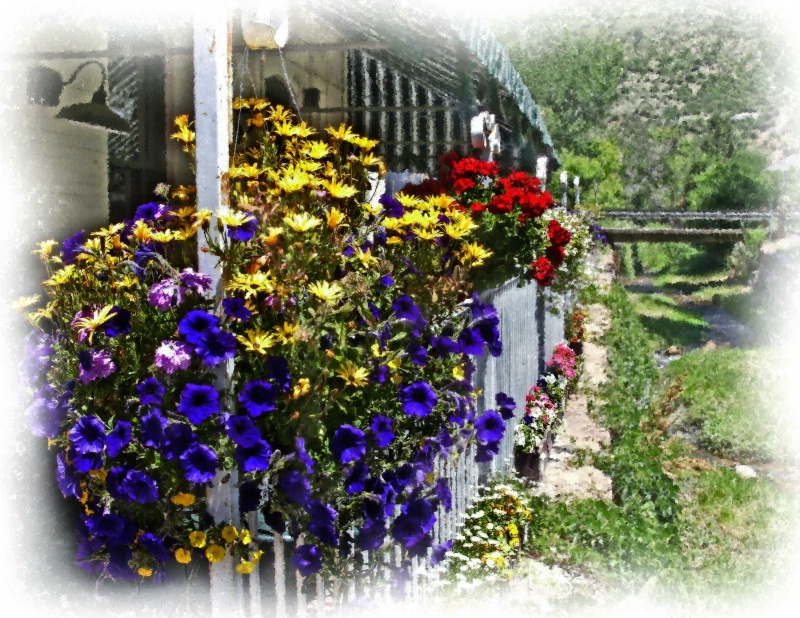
(531,466)
(576,346)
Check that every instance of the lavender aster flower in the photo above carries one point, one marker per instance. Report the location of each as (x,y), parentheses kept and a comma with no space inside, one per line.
(307,559)
(197,282)
(99,364)
(198,402)
(200,463)
(418,399)
(348,444)
(173,355)
(382,431)
(163,295)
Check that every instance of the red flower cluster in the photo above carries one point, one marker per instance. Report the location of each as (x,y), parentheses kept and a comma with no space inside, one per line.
(469,166)
(520,188)
(428,187)
(543,271)
(558,235)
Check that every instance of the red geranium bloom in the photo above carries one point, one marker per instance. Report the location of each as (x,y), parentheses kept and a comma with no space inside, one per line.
(555,254)
(463,184)
(500,204)
(477,207)
(558,235)
(543,271)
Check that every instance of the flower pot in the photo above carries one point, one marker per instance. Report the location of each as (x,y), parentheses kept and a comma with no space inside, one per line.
(531,466)
(576,346)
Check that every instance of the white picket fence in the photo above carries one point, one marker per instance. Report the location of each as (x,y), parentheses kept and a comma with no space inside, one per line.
(529,330)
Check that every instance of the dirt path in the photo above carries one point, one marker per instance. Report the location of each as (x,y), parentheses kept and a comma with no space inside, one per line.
(580,431)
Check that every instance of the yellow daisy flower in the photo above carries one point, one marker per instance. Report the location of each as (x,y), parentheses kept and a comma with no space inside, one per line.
(295,181)
(342,133)
(303,387)
(325,291)
(251,284)
(301,222)
(279,114)
(274,236)
(45,249)
(256,341)
(335,218)
(23,302)
(475,254)
(316,149)
(362,142)
(338,189)
(353,375)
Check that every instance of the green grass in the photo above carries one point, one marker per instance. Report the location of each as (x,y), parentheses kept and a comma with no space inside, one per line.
(667,323)
(719,294)
(726,399)
(695,534)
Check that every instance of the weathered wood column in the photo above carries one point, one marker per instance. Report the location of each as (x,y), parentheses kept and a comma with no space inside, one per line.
(212,93)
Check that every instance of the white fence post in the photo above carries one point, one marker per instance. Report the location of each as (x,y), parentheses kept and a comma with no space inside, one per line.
(212,94)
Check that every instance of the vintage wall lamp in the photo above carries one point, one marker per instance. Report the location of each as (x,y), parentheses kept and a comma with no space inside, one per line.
(45,88)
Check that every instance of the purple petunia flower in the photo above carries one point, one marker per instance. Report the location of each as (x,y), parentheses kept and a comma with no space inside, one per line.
(151,392)
(417,353)
(440,551)
(372,534)
(254,457)
(197,282)
(195,324)
(471,341)
(149,212)
(302,454)
(406,309)
(95,365)
(73,247)
(278,371)
(118,324)
(173,355)
(505,405)
(489,427)
(296,487)
(118,438)
(84,462)
(386,281)
(245,231)
(242,430)
(412,525)
(215,346)
(67,479)
(200,463)
(45,416)
(88,435)
(198,402)
(356,480)
(111,528)
(152,428)
(444,346)
(444,494)
(418,398)
(392,208)
(307,559)
(177,438)
(139,487)
(236,308)
(257,397)
(348,444)
(164,295)
(155,546)
(114,481)
(321,522)
(249,497)
(382,431)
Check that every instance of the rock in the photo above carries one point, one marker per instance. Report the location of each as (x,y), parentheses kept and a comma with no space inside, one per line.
(673,350)
(746,472)
(710,346)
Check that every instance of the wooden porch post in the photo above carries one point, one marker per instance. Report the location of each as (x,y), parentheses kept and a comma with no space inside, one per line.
(212,93)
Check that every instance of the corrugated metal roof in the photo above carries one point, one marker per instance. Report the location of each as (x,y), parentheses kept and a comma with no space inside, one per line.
(447,52)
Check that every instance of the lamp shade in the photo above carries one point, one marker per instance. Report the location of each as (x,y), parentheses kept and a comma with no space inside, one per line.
(95,113)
